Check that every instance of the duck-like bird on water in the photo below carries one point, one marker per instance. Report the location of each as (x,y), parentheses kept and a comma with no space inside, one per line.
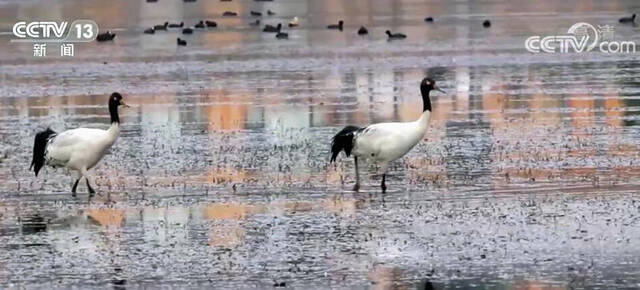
(631,19)
(77,149)
(271,28)
(107,36)
(392,36)
(384,142)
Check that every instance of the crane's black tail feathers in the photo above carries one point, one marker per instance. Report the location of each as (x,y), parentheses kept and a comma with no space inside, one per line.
(39,148)
(343,141)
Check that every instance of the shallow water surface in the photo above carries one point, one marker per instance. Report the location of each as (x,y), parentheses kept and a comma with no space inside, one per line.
(527,177)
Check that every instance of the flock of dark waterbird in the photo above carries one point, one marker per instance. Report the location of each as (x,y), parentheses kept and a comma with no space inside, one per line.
(203,24)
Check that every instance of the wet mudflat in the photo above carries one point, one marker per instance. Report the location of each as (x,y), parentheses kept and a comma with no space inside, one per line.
(527,178)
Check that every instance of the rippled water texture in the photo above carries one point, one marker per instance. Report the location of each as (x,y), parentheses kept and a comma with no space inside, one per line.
(527,178)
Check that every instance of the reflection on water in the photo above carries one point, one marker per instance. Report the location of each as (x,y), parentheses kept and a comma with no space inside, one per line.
(107,217)
(236,178)
(33,224)
(337,239)
(220,176)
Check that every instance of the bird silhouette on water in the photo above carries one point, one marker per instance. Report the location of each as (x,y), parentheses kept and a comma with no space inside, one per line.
(631,19)
(107,36)
(271,28)
(336,26)
(393,36)
(161,26)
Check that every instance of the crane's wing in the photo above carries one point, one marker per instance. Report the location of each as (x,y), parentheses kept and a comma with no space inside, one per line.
(371,138)
(61,147)
(379,131)
(77,136)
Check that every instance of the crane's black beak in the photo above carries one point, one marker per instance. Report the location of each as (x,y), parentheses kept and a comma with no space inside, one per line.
(437,88)
(124,105)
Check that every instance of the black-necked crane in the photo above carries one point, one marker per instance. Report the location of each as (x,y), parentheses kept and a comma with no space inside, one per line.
(77,149)
(384,142)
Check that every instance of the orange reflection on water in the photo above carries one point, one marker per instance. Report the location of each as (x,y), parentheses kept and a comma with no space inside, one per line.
(215,8)
(226,231)
(222,175)
(341,204)
(534,285)
(539,102)
(227,235)
(336,172)
(107,217)
(226,116)
(226,37)
(619,147)
(227,211)
(613,113)
(583,113)
(298,206)
(494,104)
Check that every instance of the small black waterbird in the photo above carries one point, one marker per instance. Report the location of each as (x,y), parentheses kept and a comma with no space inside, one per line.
(336,26)
(107,36)
(395,35)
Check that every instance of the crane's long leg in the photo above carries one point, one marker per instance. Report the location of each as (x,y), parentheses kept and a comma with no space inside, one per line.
(75,185)
(77,176)
(383,186)
(89,181)
(356,187)
(384,167)
(91,191)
